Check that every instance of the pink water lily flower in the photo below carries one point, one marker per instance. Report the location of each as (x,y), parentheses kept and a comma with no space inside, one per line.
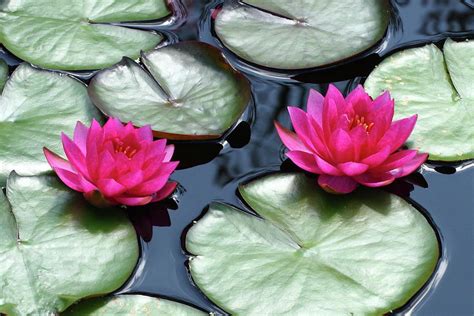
(116,164)
(350,141)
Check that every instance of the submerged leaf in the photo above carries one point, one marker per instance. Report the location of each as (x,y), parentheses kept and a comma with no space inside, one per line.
(440,89)
(311,253)
(3,73)
(56,249)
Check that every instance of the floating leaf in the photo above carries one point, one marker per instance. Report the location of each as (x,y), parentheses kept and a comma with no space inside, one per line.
(131,305)
(35,107)
(189,92)
(301,34)
(3,73)
(311,253)
(56,249)
(440,89)
(77,35)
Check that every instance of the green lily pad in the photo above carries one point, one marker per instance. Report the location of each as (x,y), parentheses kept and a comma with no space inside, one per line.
(301,34)
(77,35)
(56,249)
(35,107)
(3,73)
(188,92)
(440,89)
(131,305)
(311,253)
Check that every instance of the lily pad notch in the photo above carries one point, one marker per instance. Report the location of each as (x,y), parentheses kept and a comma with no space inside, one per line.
(311,252)
(185,91)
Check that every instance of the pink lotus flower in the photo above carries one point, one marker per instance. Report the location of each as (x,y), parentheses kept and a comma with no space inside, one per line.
(115,164)
(350,141)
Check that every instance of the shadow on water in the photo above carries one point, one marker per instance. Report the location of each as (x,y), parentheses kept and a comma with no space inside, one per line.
(212,171)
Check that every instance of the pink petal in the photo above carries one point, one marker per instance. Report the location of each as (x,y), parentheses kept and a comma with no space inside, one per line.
(133,201)
(342,146)
(166,191)
(145,133)
(377,158)
(336,96)
(375,180)
(359,138)
(352,168)
(56,161)
(327,168)
(360,101)
(410,166)
(156,183)
(330,116)
(398,133)
(131,179)
(113,128)
(315,106)
(94,139)
(334,184)
(80,137)
(304,160)
(156,148)
(74,155)
(110,187)
(396,160)
(290,139)
(300,124)
(169,151)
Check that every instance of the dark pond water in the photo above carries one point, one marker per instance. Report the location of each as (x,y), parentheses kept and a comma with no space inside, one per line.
(212,171)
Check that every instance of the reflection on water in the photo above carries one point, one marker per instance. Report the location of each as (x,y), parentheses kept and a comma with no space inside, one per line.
(212,171)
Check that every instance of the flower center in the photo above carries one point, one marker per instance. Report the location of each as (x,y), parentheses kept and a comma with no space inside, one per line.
(360,121)
(127,150)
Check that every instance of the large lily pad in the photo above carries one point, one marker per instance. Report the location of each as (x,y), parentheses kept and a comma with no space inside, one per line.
(188,92)
(76,35)
(440,89)
(35,107)
(56,249)
(131,305)
(301,34)
(311,253)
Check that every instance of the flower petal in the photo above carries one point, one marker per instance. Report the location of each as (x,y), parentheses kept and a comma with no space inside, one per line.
(74,155)
(352,168)
(315,106)
(375,180)
(410,166)
(145,133)
(290,139)
(80,137)
(342,146)
(133,200)
(304,160)
(336,185)
(398,133)
(327,168)
(110,187)
(55,161)
(169,151)
(377,158)
(165,192)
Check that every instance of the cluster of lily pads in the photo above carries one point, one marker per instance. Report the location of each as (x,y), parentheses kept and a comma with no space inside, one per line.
(294,248)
